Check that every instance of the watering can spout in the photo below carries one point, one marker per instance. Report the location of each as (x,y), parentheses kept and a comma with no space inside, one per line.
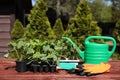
(81,53)
(70,41)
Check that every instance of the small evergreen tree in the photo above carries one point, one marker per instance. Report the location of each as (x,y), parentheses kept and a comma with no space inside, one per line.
(116,31)
(58,28)
(17,31)
(82,24)
(39,26)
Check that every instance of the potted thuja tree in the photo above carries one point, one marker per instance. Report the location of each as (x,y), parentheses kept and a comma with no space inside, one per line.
(18,50)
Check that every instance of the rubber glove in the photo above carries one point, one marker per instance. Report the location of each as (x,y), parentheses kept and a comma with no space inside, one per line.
(96,68)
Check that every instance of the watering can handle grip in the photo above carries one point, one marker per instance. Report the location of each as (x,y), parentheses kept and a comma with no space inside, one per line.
(103,37)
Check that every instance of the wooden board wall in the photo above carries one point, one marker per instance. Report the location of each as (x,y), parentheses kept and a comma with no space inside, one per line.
(6,24)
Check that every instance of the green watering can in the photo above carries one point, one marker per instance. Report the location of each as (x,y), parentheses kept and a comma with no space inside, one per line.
(95,53)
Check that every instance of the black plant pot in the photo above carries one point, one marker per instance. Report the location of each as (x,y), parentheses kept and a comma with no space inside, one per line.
(35,67)
(45,68)
(21,66)
(52,68)
(40,68)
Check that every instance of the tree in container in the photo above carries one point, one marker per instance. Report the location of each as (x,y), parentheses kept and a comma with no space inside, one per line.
(17,31)
(39,26)
(58,28)
(82,24)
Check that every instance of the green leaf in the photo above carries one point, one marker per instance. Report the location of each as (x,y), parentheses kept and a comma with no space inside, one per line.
(46,48)
(36,55)
(20,44)
(30,50)
(6,55)
(58,47)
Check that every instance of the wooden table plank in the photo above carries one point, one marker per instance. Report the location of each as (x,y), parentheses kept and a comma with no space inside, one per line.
(11,74)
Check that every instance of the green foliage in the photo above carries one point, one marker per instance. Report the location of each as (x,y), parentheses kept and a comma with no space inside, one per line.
(101,11)
(17,31)
(116,56)
(68,51)
(82,24)
(43,51)
(39,26)
(59,48)
(66,6)
(17,49)
(34,51)
(51,48)
(115,10)
(116,31)
(58,28)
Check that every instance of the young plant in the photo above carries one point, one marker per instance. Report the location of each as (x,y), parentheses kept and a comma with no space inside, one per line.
(17,49)
(51,49)
(44,51)
(34,51)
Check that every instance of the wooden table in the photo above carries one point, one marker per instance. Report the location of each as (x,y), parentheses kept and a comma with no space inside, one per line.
(11,73)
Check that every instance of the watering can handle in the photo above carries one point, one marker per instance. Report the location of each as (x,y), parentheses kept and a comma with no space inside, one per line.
(105,38)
